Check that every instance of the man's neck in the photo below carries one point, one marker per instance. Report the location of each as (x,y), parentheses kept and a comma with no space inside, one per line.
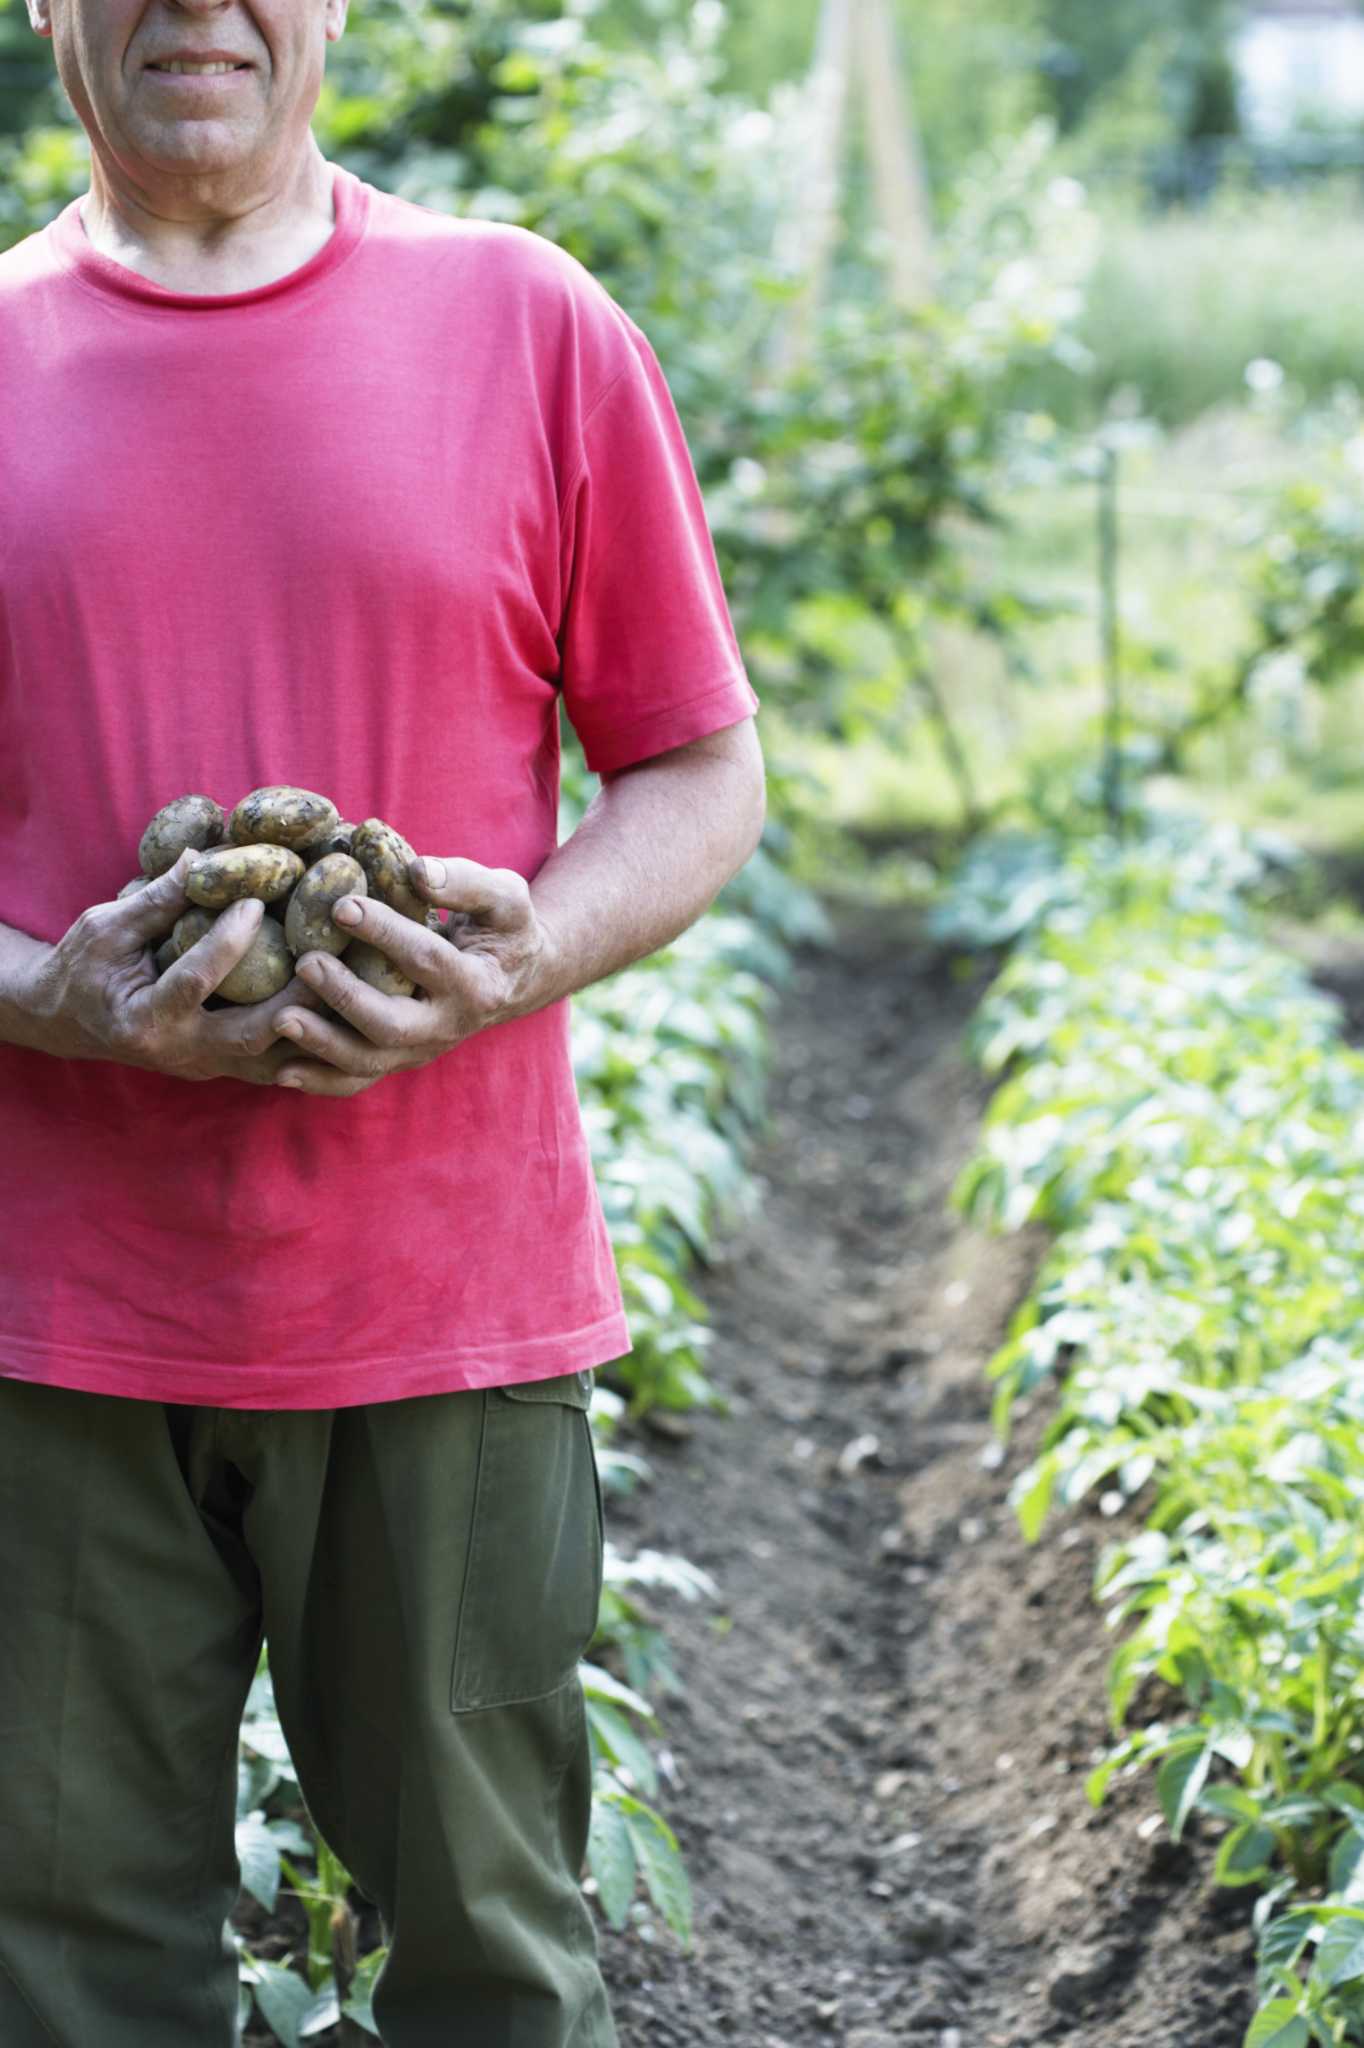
(213,249)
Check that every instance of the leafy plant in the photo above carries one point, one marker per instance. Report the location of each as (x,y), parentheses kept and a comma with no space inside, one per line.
(1176,1103)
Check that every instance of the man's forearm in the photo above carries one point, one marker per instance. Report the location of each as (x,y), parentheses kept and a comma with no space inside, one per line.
(19,957)
(655,847)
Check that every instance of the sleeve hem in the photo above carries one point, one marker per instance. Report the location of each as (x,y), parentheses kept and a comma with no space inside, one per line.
(725,703)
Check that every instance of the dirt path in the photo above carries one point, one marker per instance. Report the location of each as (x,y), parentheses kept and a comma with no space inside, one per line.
(889,1716)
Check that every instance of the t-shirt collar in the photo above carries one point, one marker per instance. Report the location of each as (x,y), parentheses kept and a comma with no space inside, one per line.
(350,201)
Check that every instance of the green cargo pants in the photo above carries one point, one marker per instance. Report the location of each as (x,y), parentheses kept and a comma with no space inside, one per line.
(426,1573)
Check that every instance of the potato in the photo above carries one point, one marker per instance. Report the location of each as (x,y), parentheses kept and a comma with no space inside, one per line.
(384,855)
(166,955)
(190,928)
(227,873)
(193,821)
(329,839)
(280,815)
(376,970)
(131,888)
(264,969)
(308,921)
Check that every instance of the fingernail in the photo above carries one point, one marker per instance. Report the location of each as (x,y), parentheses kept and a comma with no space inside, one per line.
(347,911)
(435,874)
(288,1081)
(291,1029)
(309,969)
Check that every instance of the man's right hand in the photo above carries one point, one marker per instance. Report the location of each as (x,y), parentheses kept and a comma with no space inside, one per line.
(96,994)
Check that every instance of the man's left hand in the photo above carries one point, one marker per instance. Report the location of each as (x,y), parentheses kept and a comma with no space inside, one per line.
(487,971)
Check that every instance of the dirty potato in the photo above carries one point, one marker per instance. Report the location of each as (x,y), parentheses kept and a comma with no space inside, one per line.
(227,873)
(376,970)
(167,954)
(191,821)
(308,920)
(190,928)
(384,855)
(264,969)
(131,888)
(280,815)
(327,839)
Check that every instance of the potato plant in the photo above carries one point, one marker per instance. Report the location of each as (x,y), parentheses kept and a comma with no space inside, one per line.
(1176,1102)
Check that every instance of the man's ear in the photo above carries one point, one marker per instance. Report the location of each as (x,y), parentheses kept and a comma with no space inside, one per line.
(40,17)
(336,17)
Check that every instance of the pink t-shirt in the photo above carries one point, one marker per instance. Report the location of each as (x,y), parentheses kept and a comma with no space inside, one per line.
(358,530)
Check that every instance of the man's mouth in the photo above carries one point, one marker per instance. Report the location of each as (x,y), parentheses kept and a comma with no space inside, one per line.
(180,70)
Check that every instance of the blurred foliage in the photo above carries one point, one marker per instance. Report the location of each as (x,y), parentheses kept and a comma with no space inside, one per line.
(1182,304)
(1089,51)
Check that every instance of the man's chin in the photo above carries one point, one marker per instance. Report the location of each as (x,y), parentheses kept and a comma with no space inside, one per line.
(207,148)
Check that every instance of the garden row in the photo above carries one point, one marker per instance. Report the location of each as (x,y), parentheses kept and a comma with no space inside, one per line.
(1176,1102)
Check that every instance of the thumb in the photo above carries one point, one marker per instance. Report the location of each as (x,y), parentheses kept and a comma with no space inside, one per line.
(149,913)
(497,897)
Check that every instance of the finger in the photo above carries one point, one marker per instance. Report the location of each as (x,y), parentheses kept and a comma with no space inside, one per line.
(498,897)
(381,1019)
(336,1045)
(315,1077)
(425,957)
(189,981)
(143,919)
(246,1030)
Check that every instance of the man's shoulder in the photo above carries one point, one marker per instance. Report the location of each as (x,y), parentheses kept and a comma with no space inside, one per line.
(504,264)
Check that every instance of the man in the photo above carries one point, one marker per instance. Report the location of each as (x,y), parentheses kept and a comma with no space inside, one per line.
(305,484)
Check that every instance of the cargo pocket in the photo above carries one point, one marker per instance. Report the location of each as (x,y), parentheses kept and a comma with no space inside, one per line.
(533,1573)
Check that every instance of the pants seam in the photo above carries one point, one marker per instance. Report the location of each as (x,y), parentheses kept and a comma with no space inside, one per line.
(20,1992)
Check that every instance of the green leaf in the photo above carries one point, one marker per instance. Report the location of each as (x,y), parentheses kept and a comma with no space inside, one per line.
(622,1746)
(1244,1855)
(1179,1781)
(611,1860)
(665,1874)
(1032,1502)
(284,1998)
(1340,1953)
(1282,1942)
(599,1684)
(1230,1801)
(258,1855)
(1278,2025)
(324,2012)
(359,2006)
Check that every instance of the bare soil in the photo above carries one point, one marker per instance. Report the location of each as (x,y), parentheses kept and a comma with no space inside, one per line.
(881,1751)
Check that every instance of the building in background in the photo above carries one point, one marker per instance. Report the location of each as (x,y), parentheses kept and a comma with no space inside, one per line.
(1299,63)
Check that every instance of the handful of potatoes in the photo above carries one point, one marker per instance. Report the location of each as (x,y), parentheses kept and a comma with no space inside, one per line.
(292,849)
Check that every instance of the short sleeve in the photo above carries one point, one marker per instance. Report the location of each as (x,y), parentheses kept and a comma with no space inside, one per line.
(648,653)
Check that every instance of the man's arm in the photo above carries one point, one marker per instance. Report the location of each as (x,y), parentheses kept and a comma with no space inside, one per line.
(19,957)
(653,850)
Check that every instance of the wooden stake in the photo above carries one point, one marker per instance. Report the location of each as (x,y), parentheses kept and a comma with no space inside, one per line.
(898,181)
(810,231)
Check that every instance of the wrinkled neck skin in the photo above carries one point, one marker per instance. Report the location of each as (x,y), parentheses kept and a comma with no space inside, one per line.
(213,236)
